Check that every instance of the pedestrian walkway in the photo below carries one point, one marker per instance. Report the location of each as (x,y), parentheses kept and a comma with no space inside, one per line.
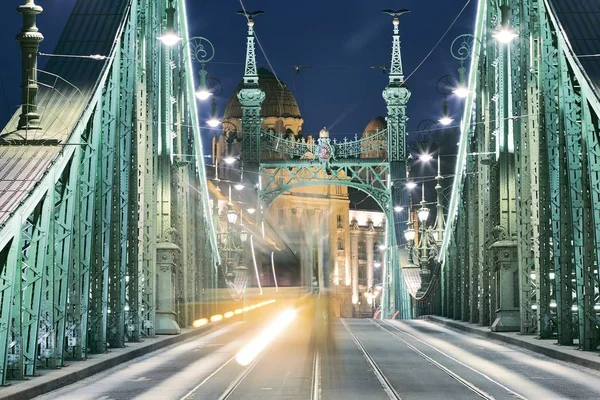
(547,347)
(52,379)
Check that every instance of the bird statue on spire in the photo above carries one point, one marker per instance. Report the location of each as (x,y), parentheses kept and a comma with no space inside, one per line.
(250,15)
(396,13)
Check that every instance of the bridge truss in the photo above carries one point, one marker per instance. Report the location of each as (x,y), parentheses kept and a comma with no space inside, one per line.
(108,203)
(521,249)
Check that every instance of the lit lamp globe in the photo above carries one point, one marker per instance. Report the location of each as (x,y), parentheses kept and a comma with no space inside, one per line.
(461,92)
(231,215)
(425,157)
(411,185)
(203,94)
(409,234)
(169,38)
(445,120)
(505,36)
(244,235)
(213,122)
(423,214)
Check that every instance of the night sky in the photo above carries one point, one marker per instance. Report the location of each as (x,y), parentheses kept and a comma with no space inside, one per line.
(340,40)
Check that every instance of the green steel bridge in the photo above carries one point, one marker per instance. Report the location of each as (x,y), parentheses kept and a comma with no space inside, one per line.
(106,229)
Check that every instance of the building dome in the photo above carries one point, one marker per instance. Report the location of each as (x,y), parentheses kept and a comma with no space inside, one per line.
(279,102)
(376,124)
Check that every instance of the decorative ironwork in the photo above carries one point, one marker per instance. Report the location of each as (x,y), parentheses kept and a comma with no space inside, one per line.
(201,49)
(336,150)
(462,47)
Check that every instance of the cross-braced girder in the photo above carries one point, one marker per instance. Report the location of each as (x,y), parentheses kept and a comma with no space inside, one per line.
(78,252)
(537,109)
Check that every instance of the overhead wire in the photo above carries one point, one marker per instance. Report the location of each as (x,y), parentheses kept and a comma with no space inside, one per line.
(439,41)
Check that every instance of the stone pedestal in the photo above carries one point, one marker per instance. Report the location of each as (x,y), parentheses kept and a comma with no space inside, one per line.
(507,272)
(166,317)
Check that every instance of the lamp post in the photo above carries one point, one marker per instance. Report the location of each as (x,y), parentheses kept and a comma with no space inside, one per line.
(445,86)
(232,251)
(505,35)
(170,37)
(461,49)
(423,215)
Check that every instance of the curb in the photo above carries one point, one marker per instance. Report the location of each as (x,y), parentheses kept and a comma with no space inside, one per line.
(34,390)
(552,353)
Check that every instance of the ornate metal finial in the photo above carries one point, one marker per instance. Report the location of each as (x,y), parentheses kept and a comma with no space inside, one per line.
(396,70)
(250,72)
(30,39)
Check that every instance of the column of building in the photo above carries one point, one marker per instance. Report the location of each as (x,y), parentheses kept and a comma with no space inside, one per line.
(354,233)
(370,234)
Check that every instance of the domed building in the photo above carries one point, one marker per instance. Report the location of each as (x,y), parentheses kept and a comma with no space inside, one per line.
(279,112)
(311,217)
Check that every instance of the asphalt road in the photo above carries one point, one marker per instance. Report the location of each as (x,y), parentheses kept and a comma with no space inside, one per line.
(355,359)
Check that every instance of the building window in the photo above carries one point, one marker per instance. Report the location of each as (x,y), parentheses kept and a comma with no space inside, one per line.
(340,244)
(362,250)
(340,222)
(362,273)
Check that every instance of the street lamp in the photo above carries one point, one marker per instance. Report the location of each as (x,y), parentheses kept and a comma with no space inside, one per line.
(243,235)
(231,214)
(423,212)
(202,93)
(170,37)
(446,86)
(213,122)
(505,35)
(425,157)
(409,233)
(229,160)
